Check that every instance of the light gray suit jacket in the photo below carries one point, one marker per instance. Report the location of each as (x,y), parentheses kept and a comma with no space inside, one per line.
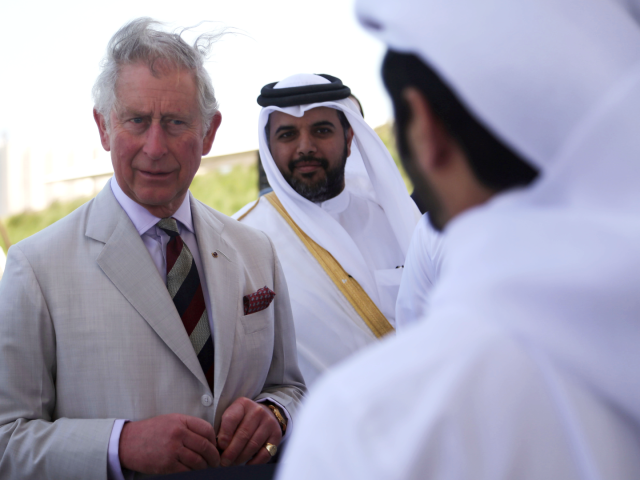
(89,334)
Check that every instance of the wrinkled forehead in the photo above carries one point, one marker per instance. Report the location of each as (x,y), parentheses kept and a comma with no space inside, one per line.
(140,89)
(167,76)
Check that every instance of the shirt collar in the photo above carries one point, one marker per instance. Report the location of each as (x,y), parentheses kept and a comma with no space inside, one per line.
(337,204)
(142,219)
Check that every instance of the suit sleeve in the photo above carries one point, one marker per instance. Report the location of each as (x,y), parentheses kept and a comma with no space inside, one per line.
(284,383)
(34,444)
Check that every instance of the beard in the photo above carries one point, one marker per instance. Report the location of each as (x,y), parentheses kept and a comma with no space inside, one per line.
(423,191)
(323,188)
(426,196)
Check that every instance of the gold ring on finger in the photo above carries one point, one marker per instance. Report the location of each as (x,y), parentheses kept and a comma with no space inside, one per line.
(271,448)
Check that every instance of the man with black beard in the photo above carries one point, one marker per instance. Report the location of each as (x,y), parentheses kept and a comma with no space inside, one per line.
(339,215)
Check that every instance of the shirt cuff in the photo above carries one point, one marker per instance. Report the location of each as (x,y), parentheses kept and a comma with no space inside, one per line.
(114,470)
(286,414)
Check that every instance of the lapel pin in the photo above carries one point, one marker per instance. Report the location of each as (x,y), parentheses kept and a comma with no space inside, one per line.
(214,254)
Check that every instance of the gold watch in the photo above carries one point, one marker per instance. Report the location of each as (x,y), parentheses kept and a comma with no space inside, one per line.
(281,420)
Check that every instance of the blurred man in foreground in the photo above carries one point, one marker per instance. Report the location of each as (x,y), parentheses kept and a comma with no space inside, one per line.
(339,215)
(526,367)
(145,331)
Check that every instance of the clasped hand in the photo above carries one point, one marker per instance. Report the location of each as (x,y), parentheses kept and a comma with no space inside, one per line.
(179,443)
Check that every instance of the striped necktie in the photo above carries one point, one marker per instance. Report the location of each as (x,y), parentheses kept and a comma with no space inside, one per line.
(183,283)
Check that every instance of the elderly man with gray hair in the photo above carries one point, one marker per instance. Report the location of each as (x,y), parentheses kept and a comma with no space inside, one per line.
(145,333)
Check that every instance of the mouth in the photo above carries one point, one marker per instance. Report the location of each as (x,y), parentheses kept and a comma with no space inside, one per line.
(308,165)
(155,175)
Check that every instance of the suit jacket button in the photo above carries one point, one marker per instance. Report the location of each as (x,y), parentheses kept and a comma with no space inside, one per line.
(207,400)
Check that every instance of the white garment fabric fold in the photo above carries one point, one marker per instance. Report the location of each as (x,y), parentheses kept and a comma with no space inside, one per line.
(421,269)
(526,365)
(328,328)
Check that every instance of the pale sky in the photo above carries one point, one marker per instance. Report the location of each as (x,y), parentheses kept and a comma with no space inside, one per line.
(51,50)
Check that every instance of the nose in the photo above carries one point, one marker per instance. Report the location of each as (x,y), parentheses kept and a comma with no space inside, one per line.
(155,145)
(306,144)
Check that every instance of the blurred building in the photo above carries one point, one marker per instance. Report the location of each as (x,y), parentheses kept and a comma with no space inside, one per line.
(33,177)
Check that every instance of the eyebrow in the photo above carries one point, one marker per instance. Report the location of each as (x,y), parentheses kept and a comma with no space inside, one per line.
(139,113)
(323,123)
(284,127)
(317,124)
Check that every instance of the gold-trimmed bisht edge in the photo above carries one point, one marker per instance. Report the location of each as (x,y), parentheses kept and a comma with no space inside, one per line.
(350,288)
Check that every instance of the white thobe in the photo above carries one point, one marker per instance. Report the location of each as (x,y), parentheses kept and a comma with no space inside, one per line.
(328,329)
(367,225)
(421,269)
(529,375)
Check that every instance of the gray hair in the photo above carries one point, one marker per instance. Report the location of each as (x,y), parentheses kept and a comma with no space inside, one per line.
(140,41)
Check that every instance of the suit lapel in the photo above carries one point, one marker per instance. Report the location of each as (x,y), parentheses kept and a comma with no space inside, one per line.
(223,280)
(126,262)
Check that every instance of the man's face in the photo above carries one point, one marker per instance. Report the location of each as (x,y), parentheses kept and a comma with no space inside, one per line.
(156,136)
(311,151)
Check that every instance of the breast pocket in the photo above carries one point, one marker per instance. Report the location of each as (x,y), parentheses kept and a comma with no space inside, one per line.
(255,322)
(388,281)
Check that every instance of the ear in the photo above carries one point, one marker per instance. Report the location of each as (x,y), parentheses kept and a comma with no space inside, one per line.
(349,138)
(429,142)
(211,133)
(102,128)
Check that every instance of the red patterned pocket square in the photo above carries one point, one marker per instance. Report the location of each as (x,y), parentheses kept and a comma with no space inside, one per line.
(258,301)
